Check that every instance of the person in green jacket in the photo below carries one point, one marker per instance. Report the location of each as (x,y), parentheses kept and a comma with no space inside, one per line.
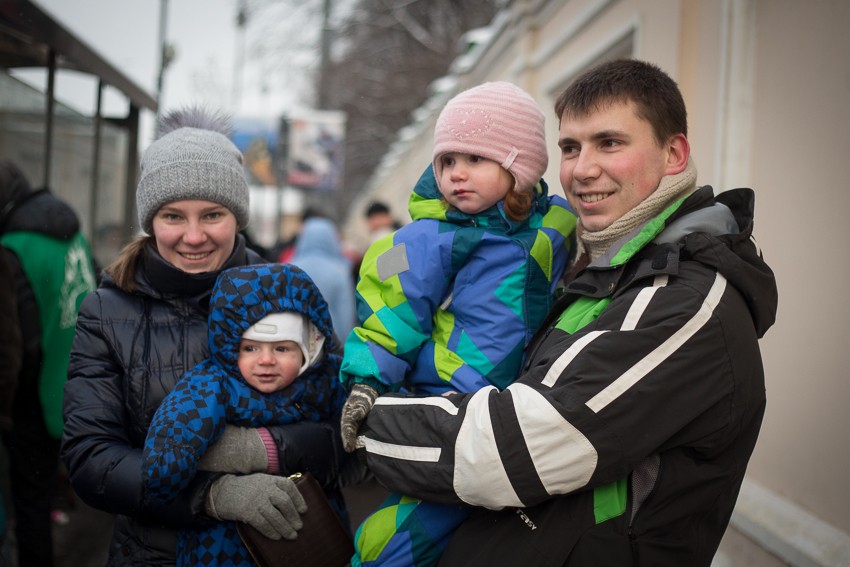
(53,272)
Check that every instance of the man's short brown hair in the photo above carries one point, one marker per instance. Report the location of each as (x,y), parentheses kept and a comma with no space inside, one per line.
(654,93)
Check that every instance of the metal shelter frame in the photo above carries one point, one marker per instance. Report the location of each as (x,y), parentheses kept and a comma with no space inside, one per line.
(29,37)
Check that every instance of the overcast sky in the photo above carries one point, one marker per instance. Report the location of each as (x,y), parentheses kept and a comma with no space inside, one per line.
(126,33)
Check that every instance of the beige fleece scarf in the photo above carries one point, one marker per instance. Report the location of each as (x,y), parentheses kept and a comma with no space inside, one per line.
(671,188)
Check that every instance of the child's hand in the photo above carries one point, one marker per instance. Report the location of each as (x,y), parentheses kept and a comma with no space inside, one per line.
(357,406)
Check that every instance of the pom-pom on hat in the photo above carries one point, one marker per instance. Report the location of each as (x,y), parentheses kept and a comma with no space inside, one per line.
(192,159)
(497,121)
(289,326)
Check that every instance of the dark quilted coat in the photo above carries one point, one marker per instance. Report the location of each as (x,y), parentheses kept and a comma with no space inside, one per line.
(213,394)
(129,351)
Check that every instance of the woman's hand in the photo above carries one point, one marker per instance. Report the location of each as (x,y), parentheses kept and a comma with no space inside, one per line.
(239,450)
(271,504)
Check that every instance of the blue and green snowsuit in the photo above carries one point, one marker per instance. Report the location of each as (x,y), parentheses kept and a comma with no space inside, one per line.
(212,394)
(448,303)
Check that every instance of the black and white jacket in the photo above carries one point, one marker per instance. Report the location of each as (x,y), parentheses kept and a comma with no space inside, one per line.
(626,438)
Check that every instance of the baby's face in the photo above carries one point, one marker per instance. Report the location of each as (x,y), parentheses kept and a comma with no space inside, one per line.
(472,183)
(269,367)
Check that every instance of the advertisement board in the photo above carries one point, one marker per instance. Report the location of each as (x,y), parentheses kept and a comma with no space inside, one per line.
(315,150)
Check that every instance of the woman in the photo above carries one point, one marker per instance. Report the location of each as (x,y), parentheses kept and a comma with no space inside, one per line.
(147,324)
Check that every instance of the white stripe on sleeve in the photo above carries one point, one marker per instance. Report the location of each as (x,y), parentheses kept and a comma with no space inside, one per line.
(438,402)
(403,452)
(643,367)
(479,477)
(563,457)
(641,303)
(567,357)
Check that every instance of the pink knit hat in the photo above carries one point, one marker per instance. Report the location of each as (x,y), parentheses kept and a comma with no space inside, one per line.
(498,121)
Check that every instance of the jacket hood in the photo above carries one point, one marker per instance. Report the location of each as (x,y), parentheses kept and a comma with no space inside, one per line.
(426,202)
(731,249)
(14,188)
(318,237)
(715,231)
(244,295)
(41,211)
(22,208)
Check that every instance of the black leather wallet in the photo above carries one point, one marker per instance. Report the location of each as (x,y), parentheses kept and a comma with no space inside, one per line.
(322,542)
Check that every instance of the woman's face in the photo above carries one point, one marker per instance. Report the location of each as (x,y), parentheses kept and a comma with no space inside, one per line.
(195,236)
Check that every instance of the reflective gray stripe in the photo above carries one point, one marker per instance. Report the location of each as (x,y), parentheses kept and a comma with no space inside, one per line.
(403,452)
(644,366)
(392,262)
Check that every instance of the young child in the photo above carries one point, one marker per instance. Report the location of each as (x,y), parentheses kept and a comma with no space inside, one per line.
(271,362)
(449,301)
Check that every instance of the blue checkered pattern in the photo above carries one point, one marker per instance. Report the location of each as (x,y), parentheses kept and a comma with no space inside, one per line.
(213,394)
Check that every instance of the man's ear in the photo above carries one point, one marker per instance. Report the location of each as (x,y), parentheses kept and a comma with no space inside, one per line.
(678,152)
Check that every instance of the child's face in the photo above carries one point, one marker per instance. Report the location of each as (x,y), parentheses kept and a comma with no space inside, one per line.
(269,367)
(472,183)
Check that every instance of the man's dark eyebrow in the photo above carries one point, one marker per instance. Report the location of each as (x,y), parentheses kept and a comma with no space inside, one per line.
(605,134)
(601,135)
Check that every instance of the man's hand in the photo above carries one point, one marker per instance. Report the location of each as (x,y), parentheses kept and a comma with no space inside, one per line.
(357,406)
(271,504)
(238,450)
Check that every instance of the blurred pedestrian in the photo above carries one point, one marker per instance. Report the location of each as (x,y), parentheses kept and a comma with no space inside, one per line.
(11,352)
(318,251)
(11,347)
(379,220)
(146,325)
(53,272)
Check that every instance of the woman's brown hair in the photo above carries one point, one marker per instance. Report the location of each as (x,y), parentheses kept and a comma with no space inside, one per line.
(122,270)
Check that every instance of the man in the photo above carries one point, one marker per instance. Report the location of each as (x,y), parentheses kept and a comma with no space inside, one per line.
(52,270)
(379,220)
(626,438)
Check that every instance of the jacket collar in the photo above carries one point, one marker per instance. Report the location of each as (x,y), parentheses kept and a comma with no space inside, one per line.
(426,202)
(661,236)
(160,278)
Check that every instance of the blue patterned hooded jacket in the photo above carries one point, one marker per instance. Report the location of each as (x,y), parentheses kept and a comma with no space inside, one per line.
(449,301)
(213,394)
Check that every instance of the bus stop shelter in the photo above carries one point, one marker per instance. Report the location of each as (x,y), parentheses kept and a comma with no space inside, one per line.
(31,38)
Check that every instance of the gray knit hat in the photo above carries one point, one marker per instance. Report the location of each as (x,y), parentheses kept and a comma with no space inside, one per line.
(192,159)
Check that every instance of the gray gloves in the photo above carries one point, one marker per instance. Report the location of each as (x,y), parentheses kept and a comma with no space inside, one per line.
(271,504)
(357,406)
(238,450)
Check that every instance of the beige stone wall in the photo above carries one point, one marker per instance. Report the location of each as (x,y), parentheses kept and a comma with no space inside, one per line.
(799,164)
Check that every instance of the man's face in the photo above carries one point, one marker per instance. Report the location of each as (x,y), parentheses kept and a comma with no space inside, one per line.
(377,221)
(610,162)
